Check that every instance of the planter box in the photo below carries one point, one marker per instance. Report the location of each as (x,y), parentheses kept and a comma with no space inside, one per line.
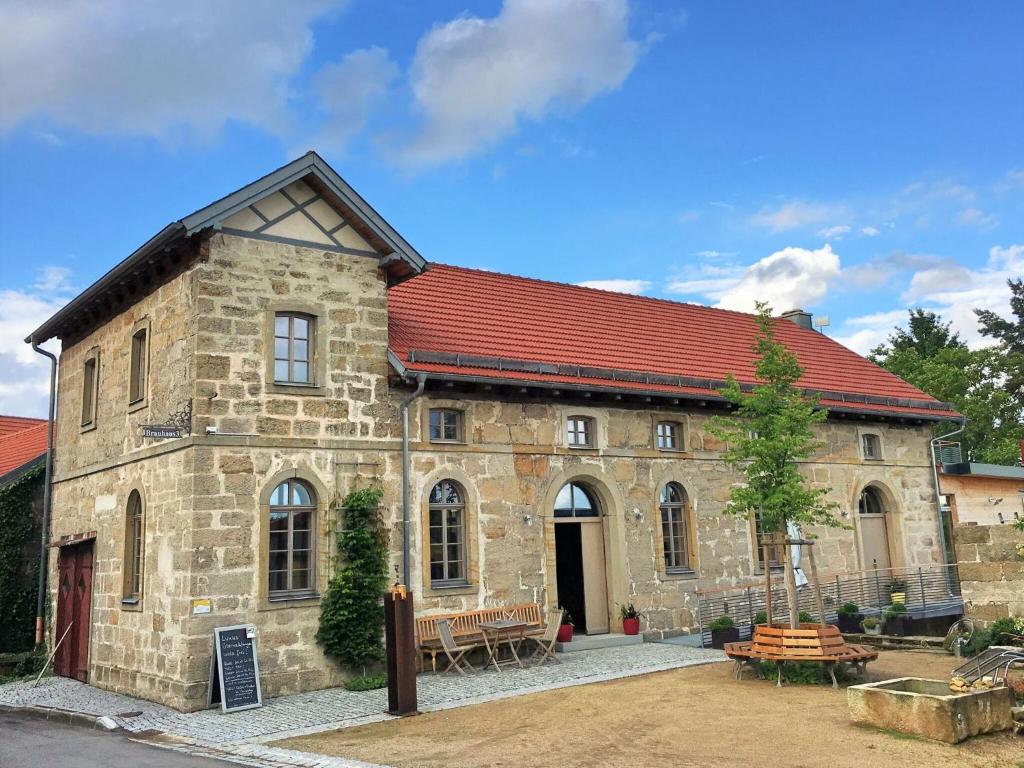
(928,708)
(719,637)
(564,633)
(849,622)
(900,626)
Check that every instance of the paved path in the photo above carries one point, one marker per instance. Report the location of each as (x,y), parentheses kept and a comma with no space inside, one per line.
(242,732)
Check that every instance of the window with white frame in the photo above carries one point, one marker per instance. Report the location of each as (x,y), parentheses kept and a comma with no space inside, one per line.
(670,436)
(871,445)
(579,432)
(293,348)
(675,528)
(447,523)
(291,566)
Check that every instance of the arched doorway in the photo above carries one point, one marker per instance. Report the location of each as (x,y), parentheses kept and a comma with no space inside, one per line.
(874,529)
(580,571)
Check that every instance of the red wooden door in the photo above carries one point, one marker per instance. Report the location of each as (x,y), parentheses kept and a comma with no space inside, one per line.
(74,599)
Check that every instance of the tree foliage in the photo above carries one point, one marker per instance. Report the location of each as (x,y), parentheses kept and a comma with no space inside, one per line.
(352,611)
(979,383)
(769,432)
(19,529)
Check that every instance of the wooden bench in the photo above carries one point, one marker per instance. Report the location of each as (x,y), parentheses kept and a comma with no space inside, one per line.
(465,627)
(811,642)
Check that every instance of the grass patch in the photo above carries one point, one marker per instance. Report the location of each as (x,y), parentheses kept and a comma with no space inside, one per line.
(898,734)
(367,682)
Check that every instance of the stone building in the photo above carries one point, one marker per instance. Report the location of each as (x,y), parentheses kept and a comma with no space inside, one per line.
(983,494)
(557,440)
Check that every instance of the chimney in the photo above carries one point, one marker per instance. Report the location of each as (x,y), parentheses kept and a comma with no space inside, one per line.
(798,316)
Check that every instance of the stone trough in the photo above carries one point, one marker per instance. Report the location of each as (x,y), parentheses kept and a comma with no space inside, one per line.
(929,709)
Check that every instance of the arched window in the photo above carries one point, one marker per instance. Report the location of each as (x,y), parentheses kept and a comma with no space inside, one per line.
(134,541)
(447,535)
(675,528)
(871,502)
(292,518)
(575,501)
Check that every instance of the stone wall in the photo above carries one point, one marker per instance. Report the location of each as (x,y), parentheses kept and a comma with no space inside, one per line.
(991,570)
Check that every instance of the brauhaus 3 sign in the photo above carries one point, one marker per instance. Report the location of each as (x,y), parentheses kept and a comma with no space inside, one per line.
(161,431)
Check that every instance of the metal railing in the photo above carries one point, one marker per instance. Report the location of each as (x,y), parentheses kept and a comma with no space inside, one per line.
(929,591)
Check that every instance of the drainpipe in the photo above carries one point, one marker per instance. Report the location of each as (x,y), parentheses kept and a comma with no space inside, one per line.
(44,538)
(938,496)
(421,381)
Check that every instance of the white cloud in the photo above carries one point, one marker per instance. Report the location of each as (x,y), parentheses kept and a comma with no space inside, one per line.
(618,286)
(716,254)
(348,90)
(975,217)
(870,231)
(864,333)
(794,215)
(834,233)
(788,279)
(474,80)
(24,374)
(153,68)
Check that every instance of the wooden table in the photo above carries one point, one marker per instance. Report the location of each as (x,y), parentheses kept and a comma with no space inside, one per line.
(511,632)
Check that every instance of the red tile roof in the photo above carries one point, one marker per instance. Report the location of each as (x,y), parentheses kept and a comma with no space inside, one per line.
(21,441)
(628,342)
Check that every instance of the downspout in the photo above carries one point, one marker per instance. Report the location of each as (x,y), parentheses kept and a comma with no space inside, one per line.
(938,496)
(44,537)
(421,381)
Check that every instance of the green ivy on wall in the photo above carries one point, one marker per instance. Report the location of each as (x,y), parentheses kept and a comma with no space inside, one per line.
(19,555)
(352,610)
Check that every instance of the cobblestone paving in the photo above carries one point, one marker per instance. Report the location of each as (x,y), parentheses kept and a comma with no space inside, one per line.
(337,708)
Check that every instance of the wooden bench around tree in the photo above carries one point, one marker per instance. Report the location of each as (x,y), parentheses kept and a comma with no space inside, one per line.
(465,627)
(778,644)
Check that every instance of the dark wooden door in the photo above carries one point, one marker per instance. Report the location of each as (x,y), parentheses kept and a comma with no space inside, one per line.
(74,600)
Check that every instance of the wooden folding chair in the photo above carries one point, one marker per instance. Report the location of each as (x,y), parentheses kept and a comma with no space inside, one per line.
(546,642)
(456,653)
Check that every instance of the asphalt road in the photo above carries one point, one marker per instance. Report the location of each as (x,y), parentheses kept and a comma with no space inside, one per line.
(27,742)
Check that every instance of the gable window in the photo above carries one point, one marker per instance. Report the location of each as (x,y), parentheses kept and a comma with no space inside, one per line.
(293,345)
(761,532)
(579,432)
(447,512)
(675,528)
(90,389)
(446,425)
(292,525)
(134,541)
(670,436)
(871,445)
(138,371)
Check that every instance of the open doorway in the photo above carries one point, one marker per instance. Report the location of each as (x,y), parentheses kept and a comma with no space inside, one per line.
(580,573)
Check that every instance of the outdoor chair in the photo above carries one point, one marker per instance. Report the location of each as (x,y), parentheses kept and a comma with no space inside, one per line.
(546,642)
(456,653)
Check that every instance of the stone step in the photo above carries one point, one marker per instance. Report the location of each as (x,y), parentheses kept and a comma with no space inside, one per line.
(592,642)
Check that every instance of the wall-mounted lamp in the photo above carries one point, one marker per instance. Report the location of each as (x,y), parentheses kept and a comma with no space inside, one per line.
(638,514)
(845,513)
(528,518)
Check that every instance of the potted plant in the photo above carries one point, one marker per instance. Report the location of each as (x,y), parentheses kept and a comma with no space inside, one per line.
(630,619)
(898,591)
(723,630)
(871,625)
(565,628)
(896,620)
(849,617)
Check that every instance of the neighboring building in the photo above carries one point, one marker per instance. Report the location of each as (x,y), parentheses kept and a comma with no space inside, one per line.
(22,458)
(559,450)
(983,494)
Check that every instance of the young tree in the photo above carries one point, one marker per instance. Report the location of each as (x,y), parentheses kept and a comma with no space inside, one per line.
(1010,337)
(770,430)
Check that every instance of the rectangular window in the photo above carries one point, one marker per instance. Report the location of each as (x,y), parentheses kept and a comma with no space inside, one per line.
(139,363)
(579,432)
(669,434)
(872,446)
(447,553)
(90,372)
(445,425)
(293,344)
(775,555)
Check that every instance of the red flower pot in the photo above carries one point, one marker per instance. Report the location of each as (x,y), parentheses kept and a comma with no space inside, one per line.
(564,633)
(631,626)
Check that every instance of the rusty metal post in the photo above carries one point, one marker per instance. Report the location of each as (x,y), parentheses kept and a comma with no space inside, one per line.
(400,644)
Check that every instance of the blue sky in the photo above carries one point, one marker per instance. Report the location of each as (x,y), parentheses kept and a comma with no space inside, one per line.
(854,159)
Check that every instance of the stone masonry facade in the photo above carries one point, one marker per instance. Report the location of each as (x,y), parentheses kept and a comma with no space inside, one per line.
(206,495)
(991,570)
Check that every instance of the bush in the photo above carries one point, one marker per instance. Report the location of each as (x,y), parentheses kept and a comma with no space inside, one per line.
(367,682)
(761,617)
(806,618)
(800,672)
(722,622)
(352,611)
(1002,631)
(894,611)
(849,609)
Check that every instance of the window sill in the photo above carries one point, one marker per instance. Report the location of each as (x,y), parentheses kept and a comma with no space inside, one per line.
(460,588)
(88,427)
(671,450)
(131,604)
(679,575)
(447,442)
(299,390)
(138,405)
(873,458)
(275,602)
(581,447)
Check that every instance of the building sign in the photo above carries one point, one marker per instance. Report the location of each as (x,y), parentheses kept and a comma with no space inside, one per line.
(201,605)
(235,673)
(161,431)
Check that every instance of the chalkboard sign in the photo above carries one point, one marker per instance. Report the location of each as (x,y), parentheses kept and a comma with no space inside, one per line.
(235,673)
